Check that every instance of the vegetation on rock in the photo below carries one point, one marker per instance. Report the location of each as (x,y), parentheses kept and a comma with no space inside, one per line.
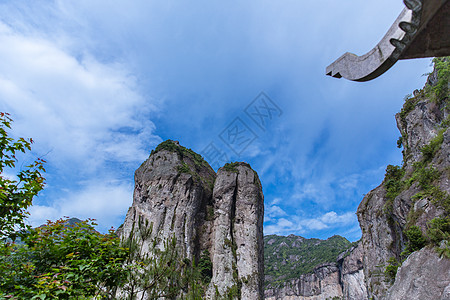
(423,174)
(183,168)
(182,152)
(440,90)
(289,257)
(160,273)
(190,162)
(205,267)
(391,269)
(231,167)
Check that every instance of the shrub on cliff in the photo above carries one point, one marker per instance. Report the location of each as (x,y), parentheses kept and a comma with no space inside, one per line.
(416,240)
(439,91)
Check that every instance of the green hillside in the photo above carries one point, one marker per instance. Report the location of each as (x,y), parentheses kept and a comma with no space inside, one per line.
(288,257)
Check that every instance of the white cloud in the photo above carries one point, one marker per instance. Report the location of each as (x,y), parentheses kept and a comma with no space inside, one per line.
(85,113)
(282,226)
(313,224)
(273,211)
(104,201)
(333,218)
(296,225)
(77,107)
(317,191)
(275,201)
(9,175)
(349,182)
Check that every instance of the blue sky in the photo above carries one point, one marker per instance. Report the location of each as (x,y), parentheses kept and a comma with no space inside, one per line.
(98,84)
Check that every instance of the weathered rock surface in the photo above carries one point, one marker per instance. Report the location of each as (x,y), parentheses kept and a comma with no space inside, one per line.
(342,280)
(238,235)
(424,275)
(181,196)
(352,275)
(389,210)
(173,202)
(321,284)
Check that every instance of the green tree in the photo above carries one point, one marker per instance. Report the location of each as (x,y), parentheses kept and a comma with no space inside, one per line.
(416,240)
(391,269)
(16,195)
(62,261)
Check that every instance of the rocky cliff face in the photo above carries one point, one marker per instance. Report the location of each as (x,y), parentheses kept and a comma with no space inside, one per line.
(405,221)
(322,283)
(172,191)
(343,279)
(424,275)
(181,196)
(410,196)
(352,275)
(237,233)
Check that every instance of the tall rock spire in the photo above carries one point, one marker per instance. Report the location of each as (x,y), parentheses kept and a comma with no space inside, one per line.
(181,196)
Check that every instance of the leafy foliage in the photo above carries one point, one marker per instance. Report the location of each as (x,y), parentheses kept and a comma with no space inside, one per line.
(231,167)
(391,269)
(16,195)
(205,267)
(190,163)
(289,257)
(68,259)
(428,151)
(183,168)
(408,106)
(400,142)
(72,261)
(393,184)
(440,91)
(439,229)
(61,261)
(439,234)
(416,240)
(424,175)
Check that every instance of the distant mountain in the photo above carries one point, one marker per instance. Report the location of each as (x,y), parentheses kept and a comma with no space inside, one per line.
(288,257)
(73,221)
(68,222)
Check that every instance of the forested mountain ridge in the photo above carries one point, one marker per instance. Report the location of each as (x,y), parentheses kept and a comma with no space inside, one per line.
(288,257)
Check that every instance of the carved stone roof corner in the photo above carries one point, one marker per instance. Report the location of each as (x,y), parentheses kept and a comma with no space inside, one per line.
(421,30)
